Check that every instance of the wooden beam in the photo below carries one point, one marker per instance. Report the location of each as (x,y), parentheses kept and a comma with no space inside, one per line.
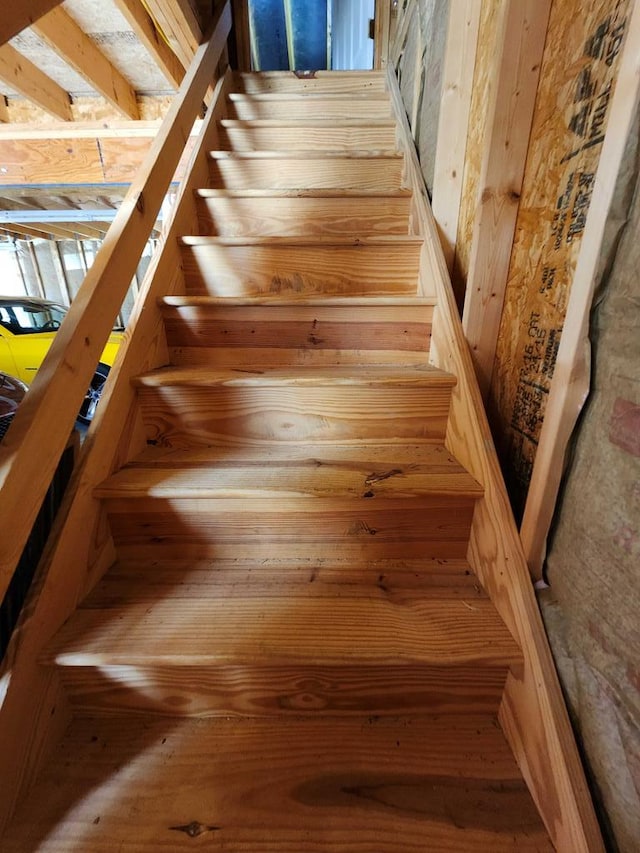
(241,32)
(142,24)
(4,112)
(572,374)
(38,231)
(178,24)
(532,714)
(57,161)
(514,83)
(382,26)
(22,75)
(36,269)
(61,33)
(121,130)
(20,15)
(453,121)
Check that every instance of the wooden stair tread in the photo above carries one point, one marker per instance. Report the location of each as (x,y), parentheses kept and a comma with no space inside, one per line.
(302,123)
(314,242)
(315,300)
(311,785)
(297,154)
(318,192)
(322,475)
(379,375)
(226,626)
(310,97)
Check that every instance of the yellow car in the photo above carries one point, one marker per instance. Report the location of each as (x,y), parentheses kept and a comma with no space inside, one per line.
(27,328)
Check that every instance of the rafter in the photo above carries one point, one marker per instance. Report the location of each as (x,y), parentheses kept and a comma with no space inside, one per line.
(180,26)
(142,24)
(21,74)
(18,16)
(62,33)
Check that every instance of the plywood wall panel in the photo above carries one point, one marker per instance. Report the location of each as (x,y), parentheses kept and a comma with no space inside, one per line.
(578,75)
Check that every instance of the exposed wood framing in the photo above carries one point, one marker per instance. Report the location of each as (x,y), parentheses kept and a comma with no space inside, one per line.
(62,33)
(4,112)
(36,269)
(37,231)
(19,15)
(487,47)
(514,82)
(579,70)
(179,25)
(533,715)
(142,24)
(28,457)
(23,76)
(453,121)
(571,377)
(241,31)
(122,130)
(58,265)
(30,719)
(382,30)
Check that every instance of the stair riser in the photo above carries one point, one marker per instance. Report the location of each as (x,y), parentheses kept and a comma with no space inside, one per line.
(285,691)
(285,174)
(253,270)
(253,528)
(288,138)
(305,336)
(295,109)
(303,217)
(184,416)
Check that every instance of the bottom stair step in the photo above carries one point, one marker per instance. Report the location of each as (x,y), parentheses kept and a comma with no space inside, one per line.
(235,641)
(304,786)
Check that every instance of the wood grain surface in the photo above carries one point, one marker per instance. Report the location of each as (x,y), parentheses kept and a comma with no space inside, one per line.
(314,785)
(307,134)
(372,265)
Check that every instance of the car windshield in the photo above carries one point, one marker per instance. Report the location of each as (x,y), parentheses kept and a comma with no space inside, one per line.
(27,318)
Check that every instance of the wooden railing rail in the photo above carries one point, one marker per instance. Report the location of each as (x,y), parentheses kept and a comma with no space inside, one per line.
(532,715)
(30,454)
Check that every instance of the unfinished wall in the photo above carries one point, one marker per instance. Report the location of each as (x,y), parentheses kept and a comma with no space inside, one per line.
(417,53)
(592,610)
(578,74)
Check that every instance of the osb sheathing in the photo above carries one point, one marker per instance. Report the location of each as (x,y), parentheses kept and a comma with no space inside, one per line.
(579,69)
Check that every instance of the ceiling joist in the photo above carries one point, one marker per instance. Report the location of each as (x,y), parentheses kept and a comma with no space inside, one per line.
(62,34)
(142,24)
(180,26)
(18,16)
(21,74)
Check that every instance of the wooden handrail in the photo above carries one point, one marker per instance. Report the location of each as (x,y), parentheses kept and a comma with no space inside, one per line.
(30,453)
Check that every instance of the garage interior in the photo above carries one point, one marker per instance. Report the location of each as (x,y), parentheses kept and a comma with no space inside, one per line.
(524,116)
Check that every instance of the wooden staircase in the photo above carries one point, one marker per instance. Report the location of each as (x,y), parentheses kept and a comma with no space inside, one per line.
(291,651)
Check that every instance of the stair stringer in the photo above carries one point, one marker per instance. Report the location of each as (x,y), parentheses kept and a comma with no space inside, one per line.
(533,714)
(33,707)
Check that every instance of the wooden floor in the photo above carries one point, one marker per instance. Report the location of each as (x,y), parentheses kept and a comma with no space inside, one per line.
(291,652)
(358,786)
